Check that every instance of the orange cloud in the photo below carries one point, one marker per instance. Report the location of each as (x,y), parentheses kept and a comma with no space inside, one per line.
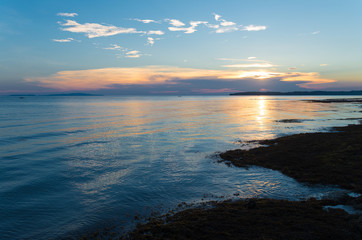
(93,79)
(312,79)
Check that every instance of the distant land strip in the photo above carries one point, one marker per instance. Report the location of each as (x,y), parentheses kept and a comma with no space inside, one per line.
(301,93)
(55,95)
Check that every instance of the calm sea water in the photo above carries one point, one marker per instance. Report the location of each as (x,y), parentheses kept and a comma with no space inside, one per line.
(69,165)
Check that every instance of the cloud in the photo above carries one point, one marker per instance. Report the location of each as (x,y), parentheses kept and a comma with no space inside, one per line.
(67,14)
(264,90)
(253,28)
(145,20)
(150,41)
(254,65)
(155,32)
(175,22)
(188,30)
(224,26)
(323,65)
(311,79)
(69,23)
(226,29)
(226,23)
(292,68)
(230,59)
(114,47)
(217,17)
(133,54)
(252,62)
(93,30)
(220,90)
(108,78)
(214,26)
(316,32)
(257,74)
(64,40)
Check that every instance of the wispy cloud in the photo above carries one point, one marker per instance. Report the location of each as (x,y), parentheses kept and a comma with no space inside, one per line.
(224,25)
(150,41)
(114,47)
(214,26)
(253,28)
(309,33)
(133,54)
(64,40)
(93,30)
(145,20)
(292,68)
(226,29)
(155,32)
(67,14)
(312,79)
(188,30)
(89,79)
(323,65)
(175,22)
(254,65)
(249,59)
(231,59)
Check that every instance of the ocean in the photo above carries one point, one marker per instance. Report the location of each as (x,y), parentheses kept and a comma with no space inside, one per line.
(73,165)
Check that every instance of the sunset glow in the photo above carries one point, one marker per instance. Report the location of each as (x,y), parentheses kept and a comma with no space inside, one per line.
(104,47)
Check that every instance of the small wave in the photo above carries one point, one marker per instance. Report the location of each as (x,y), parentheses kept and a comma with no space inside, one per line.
(41,135)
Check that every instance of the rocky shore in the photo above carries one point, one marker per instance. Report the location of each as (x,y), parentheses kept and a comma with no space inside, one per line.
(255,219)
(333,158)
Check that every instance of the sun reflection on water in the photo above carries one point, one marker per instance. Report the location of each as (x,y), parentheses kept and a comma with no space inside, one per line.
(260,118)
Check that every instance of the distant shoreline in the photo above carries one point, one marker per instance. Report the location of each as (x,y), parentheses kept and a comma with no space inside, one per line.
(300,93)
(296,93)
(56,95)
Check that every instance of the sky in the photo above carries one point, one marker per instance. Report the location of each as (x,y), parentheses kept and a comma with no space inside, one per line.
(160,47)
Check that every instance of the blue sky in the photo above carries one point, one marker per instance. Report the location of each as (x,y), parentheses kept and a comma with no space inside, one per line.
(179,47)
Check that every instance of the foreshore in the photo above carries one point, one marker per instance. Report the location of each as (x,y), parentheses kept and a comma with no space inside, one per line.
(331,158)
(328,158)
(315,158)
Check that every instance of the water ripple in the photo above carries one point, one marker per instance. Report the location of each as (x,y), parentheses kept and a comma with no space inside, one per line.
(67,165)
